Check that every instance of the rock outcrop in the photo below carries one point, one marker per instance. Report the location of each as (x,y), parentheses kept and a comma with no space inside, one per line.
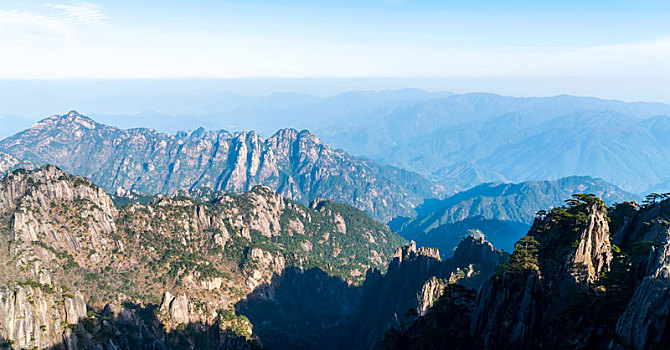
(566,286)
(294,163)
(644,324)
(176,310)
(560,258)
(431,291)
(8,163)
(200,256)
(60,213)
(38,317)
(646,318)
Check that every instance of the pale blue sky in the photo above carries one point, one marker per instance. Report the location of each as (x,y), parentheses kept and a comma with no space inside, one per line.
(597,43)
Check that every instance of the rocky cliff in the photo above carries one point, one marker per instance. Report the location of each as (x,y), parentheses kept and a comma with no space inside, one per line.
(161,271)
(36,316)
(584,277)
(294,163)
(552,270)
(8,162)
(310,310)
(644,233)
(502,211)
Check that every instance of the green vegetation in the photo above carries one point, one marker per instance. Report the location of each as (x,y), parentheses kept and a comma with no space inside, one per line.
(240,326)
(523,258)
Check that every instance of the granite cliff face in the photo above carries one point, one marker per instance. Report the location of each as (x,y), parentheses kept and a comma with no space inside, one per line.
(584,277)
(50,211)
(39,317)
(553,269)
(296,164)
(161,271)
(645,321)
(8,162)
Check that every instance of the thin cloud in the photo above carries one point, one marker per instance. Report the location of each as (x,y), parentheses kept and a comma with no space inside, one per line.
(57,24)
(80,12)
(27,27)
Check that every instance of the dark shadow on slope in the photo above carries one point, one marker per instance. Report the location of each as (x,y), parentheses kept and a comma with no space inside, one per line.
(301,309)
(308,309)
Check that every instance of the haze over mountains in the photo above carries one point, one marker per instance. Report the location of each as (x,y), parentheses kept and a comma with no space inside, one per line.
(458,140)
(488,137)
(203,246)
(503,212)
(297,165)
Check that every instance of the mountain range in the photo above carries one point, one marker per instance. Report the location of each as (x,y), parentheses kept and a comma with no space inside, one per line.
(459,140)
(508,138)
(503,212)
(82,271)
(295,163)
(584,277)
(125,239)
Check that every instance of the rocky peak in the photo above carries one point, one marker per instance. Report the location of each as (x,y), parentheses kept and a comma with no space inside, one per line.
(476,249)
(50,210)
(554,265)
(410,252)
(579,236)
(47,184)
(292,135)
(71,119)
(593,254)
(296,164)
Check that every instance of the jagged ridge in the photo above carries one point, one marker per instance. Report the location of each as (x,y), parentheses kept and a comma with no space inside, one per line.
(296,164)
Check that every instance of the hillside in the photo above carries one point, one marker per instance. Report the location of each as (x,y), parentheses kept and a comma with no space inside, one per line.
(584,277)
(503,212)
(296,164)
(505,138)
(175,271)
(462,139)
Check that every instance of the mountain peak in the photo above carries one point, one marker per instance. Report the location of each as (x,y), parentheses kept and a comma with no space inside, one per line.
(72,117)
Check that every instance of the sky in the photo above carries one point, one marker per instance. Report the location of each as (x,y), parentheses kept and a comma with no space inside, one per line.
(612,49)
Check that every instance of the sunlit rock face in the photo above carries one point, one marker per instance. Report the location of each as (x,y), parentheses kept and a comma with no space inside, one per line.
(294,163)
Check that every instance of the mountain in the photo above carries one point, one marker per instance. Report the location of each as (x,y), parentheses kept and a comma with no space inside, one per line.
(584,277)
(502,211)
(460,140)
(8,162)
(308,310)
(296,164)
(62,237)
(84,270)
(510,138)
